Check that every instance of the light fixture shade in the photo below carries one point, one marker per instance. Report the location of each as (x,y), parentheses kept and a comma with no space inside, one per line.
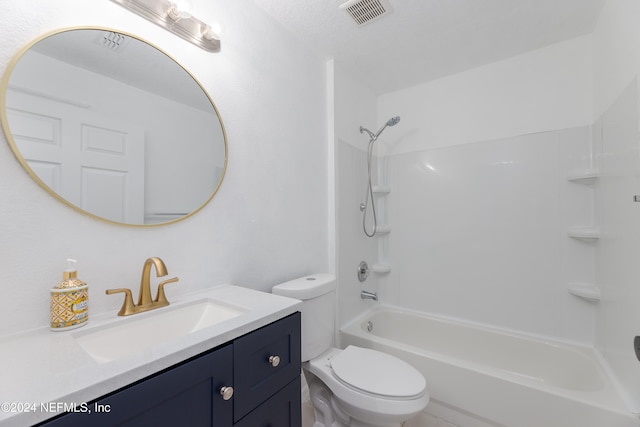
(176,17)
(182,8)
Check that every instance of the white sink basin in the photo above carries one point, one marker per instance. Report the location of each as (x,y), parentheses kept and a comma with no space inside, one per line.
(132,334)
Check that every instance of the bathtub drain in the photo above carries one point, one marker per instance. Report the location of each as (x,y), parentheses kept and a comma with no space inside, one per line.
(369,326)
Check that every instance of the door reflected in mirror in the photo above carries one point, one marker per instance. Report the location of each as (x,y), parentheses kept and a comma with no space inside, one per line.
(113,126)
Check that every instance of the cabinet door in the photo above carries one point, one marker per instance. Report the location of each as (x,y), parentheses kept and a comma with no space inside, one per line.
(187,395)
(256,377)
(282,410)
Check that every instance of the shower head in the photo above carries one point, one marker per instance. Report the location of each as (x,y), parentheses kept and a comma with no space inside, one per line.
(391,122)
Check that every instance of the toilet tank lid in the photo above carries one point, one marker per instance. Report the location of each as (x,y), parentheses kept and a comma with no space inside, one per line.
(306,287)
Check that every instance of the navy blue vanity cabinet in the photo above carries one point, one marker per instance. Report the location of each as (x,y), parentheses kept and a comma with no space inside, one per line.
(185,395)
(281,410)
(263,368)
(265,361)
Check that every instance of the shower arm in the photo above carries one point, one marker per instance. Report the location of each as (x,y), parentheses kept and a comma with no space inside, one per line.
(372,137)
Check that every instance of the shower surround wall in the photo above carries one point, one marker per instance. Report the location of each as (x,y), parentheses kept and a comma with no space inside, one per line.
(616,68)
(479,232)
(479,201)
(618,249)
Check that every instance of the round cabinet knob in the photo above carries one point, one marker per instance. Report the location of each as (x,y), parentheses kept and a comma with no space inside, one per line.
(274,360)
(226,392)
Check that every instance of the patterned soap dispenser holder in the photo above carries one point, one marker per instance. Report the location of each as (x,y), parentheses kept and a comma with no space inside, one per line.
(69,301)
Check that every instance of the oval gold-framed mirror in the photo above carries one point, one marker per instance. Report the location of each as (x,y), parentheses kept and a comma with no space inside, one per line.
(113,126)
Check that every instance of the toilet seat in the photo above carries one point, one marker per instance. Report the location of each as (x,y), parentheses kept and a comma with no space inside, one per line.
(376,404)
(377,373)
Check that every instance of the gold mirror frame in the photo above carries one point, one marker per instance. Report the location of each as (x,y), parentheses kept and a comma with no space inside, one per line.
(4,86)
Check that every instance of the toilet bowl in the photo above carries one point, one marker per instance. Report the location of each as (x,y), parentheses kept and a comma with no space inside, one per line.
(355,387)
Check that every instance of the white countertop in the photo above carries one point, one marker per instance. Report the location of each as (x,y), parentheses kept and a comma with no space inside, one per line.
(41,366)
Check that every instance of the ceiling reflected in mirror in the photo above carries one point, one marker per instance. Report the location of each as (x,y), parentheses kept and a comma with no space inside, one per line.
(113,126)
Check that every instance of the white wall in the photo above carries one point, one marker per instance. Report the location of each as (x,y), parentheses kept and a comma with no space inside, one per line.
(354,106)
(546,89)
(267,224)
(616,67)
(616,47)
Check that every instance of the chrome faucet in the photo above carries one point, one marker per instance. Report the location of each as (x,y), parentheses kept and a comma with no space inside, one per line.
(145,303)
(369,295)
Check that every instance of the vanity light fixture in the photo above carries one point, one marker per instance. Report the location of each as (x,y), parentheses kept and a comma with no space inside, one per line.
(175,16)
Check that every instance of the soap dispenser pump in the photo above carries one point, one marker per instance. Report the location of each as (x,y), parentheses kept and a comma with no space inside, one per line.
(69,300)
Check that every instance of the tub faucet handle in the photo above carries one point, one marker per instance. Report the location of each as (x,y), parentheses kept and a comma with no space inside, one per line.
(363,271)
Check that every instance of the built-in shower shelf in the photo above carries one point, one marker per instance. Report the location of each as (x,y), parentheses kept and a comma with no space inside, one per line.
(381,190)
(584,177)
(381,268)
(383,229)
(587,291)
(584,232)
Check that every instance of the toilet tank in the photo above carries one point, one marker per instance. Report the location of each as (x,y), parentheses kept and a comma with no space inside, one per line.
(317,293)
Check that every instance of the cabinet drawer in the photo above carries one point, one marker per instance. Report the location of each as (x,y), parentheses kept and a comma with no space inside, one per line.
(255,376)
(282,410)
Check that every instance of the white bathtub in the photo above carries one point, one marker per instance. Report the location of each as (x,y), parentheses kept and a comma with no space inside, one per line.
(496,378)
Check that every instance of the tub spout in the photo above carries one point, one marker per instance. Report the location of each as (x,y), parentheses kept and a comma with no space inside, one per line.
(369,295)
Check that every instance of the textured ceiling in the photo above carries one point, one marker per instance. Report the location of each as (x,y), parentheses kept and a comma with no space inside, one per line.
(422,40)
(135,63)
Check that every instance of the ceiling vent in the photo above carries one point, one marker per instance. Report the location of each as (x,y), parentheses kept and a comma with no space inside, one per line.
(112,40)
(365,11)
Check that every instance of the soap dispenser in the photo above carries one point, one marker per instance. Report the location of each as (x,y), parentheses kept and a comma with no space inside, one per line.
(69,300)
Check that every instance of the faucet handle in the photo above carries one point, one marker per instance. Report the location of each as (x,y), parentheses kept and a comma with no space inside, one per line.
(161,297)
(127,306)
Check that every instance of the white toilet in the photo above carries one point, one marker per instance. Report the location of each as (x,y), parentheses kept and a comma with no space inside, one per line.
(356,386)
